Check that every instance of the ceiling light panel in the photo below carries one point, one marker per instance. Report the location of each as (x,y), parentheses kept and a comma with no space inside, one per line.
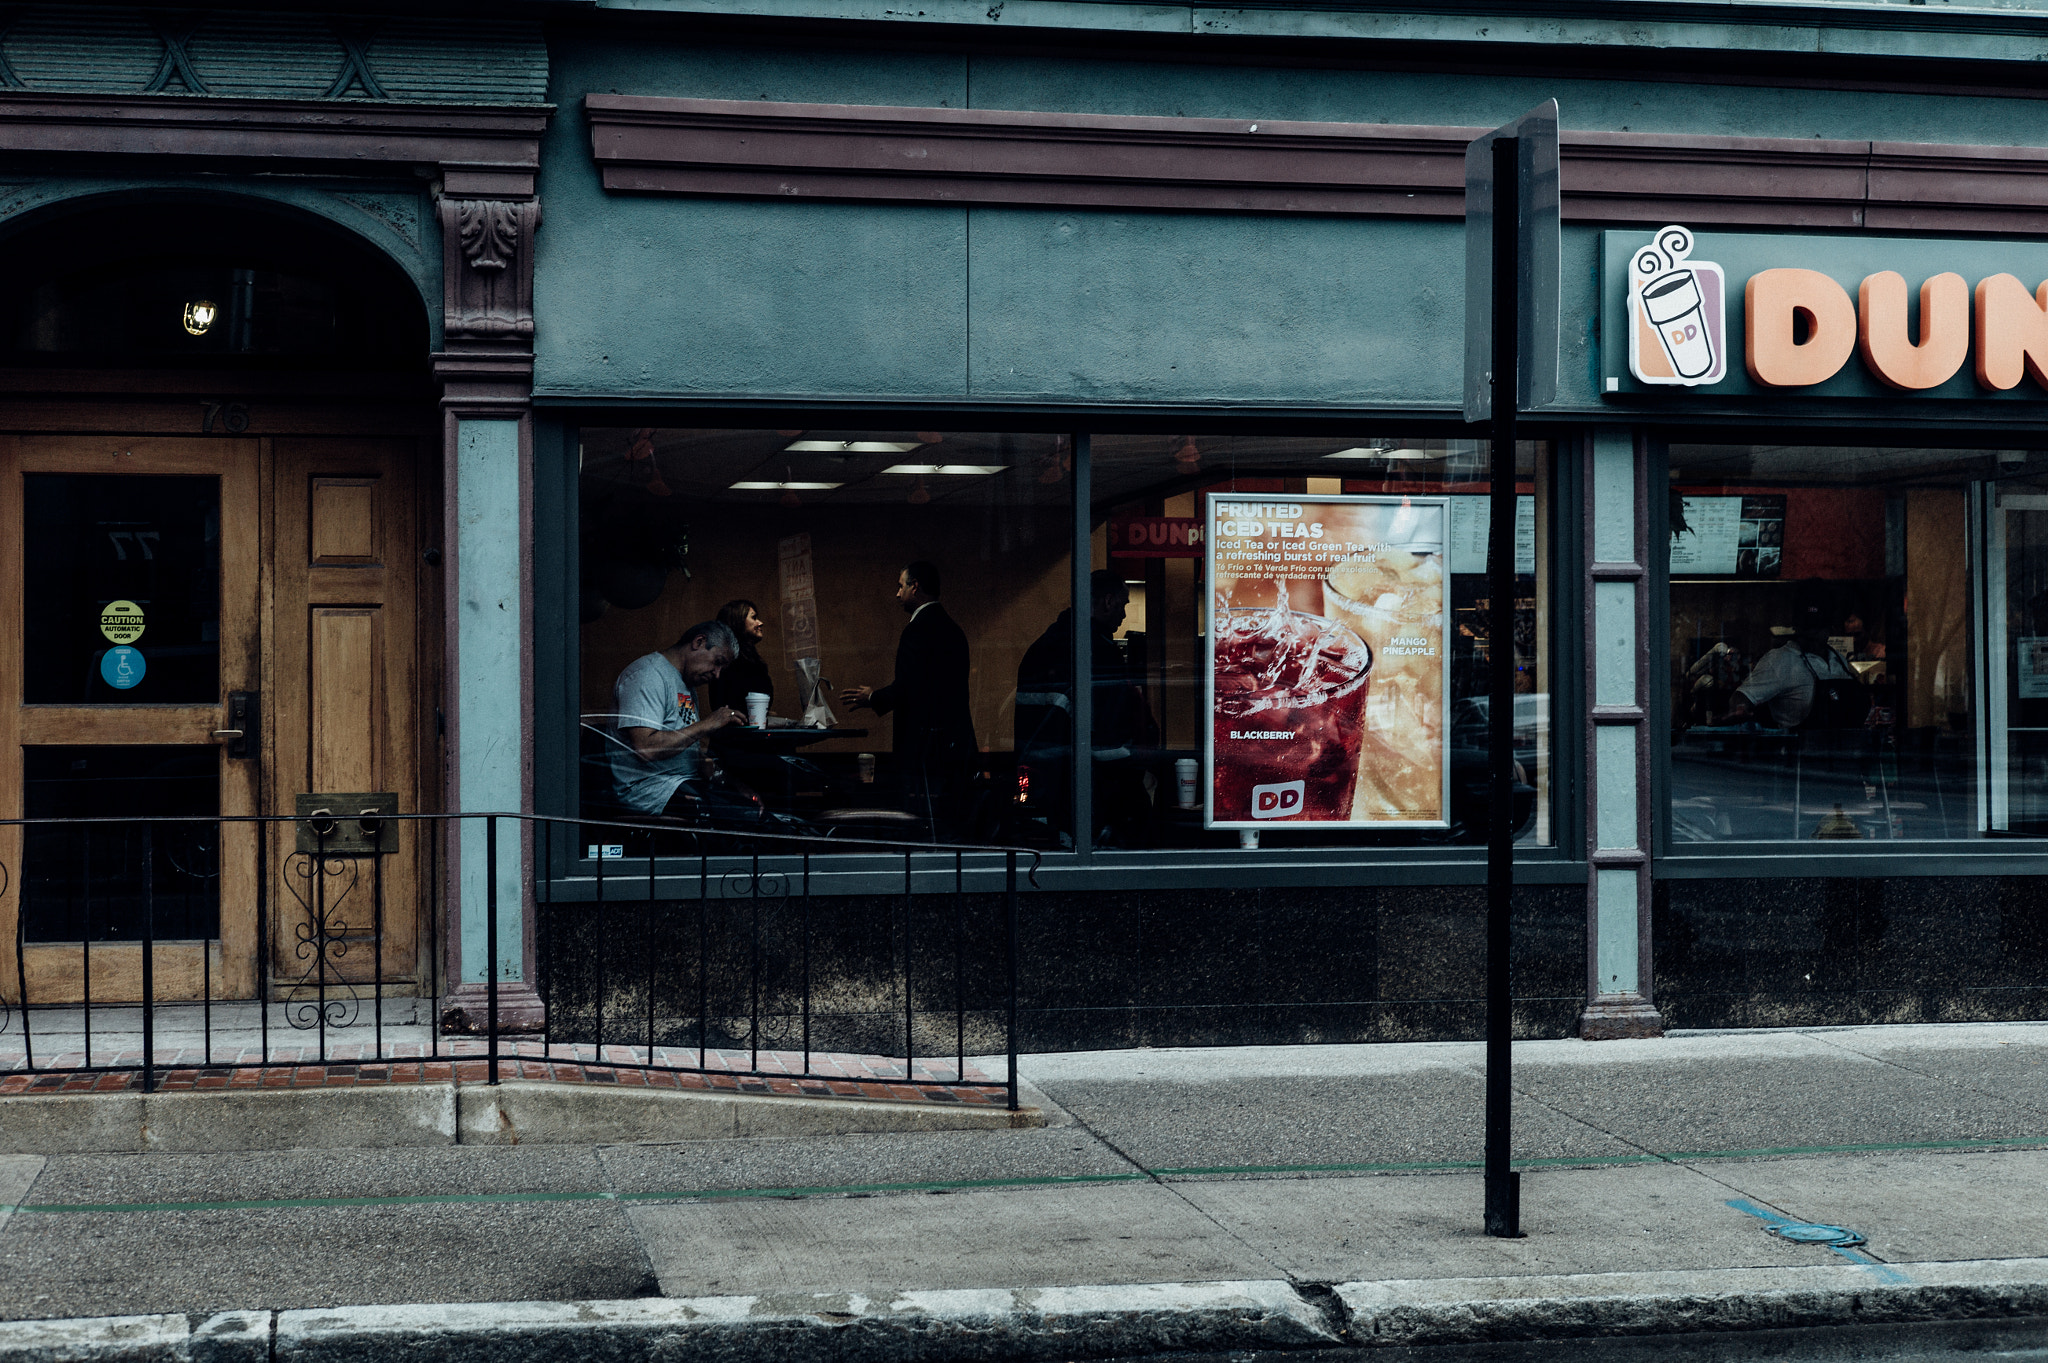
(851,446)
(785,487)
(959,470)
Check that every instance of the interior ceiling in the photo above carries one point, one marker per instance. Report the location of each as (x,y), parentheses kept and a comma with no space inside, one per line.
(1035,469)
(1847,464)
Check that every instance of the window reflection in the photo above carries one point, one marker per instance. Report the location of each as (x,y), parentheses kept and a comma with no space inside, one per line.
(1829,610)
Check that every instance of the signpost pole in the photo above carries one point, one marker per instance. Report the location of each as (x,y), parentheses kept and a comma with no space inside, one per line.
(1503,1184)
(1511,341)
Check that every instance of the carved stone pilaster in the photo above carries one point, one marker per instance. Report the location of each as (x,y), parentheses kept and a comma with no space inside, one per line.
(487,274)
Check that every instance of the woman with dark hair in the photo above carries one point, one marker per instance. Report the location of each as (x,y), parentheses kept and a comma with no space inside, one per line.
(747,672)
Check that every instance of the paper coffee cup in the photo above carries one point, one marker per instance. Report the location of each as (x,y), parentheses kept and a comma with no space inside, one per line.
(757,709)
(1188,772)
(867,766)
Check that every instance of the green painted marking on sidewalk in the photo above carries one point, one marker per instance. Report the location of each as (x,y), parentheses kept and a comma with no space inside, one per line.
(586,1195)
(1038,1181)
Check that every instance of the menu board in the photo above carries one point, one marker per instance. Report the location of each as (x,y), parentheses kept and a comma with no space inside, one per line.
(1471,519)
(1730,537)
(1327,674)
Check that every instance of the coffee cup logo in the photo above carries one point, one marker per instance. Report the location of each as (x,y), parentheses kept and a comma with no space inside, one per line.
(1677,312)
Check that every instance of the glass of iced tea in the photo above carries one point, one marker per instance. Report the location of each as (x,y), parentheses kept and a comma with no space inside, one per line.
(1290,715)
(1394,598)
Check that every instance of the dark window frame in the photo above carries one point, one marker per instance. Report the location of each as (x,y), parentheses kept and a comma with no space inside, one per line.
(556,586)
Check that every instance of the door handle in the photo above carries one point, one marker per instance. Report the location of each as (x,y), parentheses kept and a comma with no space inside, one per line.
(240,741)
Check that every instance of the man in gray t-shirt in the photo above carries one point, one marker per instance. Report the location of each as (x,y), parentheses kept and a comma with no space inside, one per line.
(656,723)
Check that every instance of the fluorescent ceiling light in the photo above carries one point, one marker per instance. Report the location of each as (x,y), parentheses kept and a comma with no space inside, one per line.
(785,487)
(1406,452)
(1358,452)
(851,446)
(960,469)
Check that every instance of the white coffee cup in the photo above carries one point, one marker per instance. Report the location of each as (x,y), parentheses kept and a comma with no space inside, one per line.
(757,709)
(1188,772)
(1248,840)
(866,762)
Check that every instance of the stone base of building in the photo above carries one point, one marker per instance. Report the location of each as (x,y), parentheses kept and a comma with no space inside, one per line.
(465,1011)
(1620,1018)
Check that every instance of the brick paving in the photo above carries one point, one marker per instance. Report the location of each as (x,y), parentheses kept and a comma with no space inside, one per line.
(350,1065)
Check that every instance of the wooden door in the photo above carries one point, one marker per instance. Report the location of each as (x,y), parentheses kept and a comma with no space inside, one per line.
(343,656)
(130,575)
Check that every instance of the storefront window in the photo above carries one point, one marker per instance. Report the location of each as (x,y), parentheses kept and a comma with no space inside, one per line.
(1290,641)
(1859,643)
(880,589)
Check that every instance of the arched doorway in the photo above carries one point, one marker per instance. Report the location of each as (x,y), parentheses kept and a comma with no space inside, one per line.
(212,412)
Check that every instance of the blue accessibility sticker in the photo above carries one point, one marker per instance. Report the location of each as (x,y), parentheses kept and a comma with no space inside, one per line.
(122,667)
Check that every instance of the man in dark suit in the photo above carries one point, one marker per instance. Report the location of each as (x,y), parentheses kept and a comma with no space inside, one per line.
(935,751)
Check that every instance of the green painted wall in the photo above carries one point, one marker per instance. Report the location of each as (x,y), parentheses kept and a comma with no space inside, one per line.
(663,297)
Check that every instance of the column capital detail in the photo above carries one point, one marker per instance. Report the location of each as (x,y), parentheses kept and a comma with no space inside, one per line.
(487,286)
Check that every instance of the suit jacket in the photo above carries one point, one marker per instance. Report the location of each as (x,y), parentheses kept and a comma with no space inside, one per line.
(934,724)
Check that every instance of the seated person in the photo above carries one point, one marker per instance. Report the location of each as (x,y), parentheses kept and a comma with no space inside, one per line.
(748,671)
(657,766)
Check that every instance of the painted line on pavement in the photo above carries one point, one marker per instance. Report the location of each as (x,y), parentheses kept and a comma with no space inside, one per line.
(1884,1271)
(961,1185)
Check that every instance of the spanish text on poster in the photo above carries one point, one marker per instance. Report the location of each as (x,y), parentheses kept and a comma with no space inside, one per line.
(1327,670)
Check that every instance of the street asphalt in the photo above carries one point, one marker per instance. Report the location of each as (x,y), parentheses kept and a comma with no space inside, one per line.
(1315,1165)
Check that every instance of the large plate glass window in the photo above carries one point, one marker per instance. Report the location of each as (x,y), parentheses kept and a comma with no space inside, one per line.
(883,589)
(1290,641)
(1859,643)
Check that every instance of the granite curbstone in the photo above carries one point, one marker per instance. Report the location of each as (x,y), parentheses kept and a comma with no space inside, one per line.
(1486,1310)
(963,1326)
(100,1339)
(379,1116)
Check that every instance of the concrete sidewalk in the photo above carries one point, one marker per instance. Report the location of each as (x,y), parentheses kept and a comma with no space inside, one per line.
(1315,1192)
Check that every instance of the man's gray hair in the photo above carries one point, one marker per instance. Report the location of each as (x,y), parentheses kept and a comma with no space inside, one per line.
(715,633)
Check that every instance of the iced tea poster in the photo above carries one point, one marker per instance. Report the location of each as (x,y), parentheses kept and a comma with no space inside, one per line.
(1327,673)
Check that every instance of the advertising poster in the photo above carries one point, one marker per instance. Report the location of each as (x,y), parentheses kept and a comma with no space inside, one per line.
(1327,669)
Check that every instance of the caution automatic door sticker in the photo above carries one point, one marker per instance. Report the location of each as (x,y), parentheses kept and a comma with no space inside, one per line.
(121,621)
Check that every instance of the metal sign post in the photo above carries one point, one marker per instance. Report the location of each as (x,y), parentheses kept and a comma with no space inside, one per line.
(1511,315)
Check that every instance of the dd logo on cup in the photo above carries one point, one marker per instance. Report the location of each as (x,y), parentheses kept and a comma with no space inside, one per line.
(1279,801)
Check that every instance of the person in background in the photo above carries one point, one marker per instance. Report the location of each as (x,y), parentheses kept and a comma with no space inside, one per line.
(657,762)
(1122,718)
(1780,689)
(748,672)
(935,751)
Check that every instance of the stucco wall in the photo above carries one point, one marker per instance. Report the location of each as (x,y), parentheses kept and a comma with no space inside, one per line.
(660,297)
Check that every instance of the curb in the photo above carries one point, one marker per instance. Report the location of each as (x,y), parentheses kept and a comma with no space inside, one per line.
(517,1112)
(1040,1325)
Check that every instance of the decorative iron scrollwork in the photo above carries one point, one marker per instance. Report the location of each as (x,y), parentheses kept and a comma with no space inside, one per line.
(320,996)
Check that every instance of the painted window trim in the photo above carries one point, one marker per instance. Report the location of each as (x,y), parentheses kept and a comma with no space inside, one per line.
(764,149)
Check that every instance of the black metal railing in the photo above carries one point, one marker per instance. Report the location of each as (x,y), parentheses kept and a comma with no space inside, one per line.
(654,947)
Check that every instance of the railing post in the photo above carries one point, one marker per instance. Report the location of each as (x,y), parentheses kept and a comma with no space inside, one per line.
(148,958)
(1010,902)
(491,938)
(263,940)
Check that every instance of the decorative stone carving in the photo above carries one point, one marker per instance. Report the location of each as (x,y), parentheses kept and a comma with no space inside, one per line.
(175,32)
(488,268)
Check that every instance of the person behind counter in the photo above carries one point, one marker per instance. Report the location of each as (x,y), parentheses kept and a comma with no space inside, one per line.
(1803,683)
(657,765)
(935,752)
(748,672)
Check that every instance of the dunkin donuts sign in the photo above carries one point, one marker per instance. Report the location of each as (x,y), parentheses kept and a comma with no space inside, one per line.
(1834,317)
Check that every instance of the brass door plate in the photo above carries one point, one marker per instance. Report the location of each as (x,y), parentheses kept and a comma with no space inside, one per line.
(347,824)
